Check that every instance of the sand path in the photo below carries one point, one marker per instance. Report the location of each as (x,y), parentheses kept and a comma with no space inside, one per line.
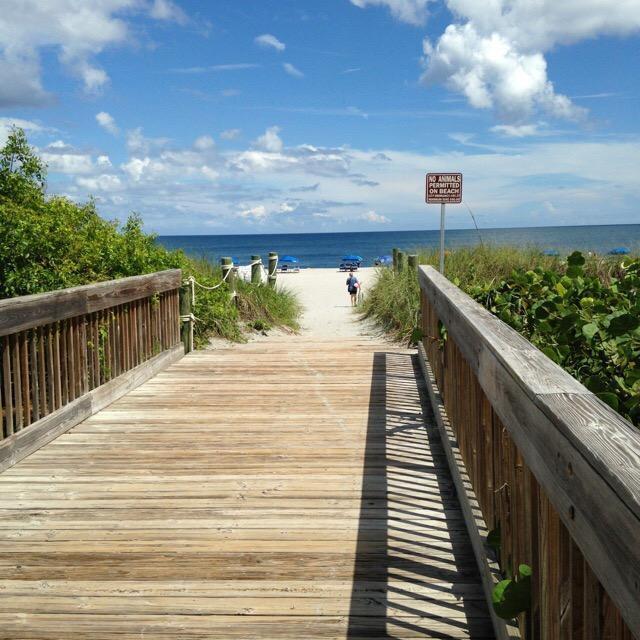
(327,307)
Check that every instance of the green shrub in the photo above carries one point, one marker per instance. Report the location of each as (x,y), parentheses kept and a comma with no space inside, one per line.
(49,243)
(582,312)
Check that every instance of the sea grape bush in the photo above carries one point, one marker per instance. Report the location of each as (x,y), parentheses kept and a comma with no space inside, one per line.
(590,328)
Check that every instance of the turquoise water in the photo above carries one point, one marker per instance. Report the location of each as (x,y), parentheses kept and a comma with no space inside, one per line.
(326,249)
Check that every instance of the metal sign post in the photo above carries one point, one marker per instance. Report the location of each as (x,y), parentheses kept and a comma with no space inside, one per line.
(442,206)
(443,189)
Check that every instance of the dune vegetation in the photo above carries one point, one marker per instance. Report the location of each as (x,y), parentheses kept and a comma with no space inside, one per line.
(583,312)
(52,242)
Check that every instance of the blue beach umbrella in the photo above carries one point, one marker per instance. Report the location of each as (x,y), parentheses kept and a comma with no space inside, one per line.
(289,259)
(384,260)
(236,260)
(352,258)
(619,251)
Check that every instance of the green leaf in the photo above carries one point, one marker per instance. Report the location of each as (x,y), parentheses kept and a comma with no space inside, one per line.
(511,597)
(589,330)
(622,324)
(416,336)
(576,259)
(552,354)
(561,290)
(610,398)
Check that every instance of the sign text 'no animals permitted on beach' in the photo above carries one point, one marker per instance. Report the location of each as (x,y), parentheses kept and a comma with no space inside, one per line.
(444,188)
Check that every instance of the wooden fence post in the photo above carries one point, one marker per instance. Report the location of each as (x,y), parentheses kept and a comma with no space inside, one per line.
(186,330)
(401,260)
(413,261)
(395,258)
(255,269)
(228,273)
(273,265)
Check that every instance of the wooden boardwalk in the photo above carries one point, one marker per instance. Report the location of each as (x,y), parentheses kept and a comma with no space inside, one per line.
(289,489)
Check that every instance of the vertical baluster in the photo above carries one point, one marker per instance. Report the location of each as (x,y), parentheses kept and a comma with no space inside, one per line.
(9,417)
(35,374)
(17,382)
(23,336)
(42,371)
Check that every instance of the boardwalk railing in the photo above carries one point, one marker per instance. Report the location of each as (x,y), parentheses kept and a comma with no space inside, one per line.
(68,353)
(545,462)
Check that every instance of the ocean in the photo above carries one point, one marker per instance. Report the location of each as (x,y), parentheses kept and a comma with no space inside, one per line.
(326,249)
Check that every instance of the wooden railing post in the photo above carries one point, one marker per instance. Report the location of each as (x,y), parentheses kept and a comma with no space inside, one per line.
(401,261)
(186,331)
(413,261)
(256,264)
(273,265)
(394,252)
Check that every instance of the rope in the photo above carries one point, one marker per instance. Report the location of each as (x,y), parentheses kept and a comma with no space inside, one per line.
(275,267)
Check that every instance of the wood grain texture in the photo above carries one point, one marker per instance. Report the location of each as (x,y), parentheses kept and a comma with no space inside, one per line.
(585,457)
(26,312)
(273,490)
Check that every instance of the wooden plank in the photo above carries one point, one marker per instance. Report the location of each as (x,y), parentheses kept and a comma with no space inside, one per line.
(332,517)
(7,387)
(583,454)
(22,444)
(26,312)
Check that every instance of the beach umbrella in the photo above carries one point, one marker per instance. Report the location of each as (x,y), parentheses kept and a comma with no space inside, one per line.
(551,252)
(352,258)
(290,259)
(384,260)
(235,260)
(619,251)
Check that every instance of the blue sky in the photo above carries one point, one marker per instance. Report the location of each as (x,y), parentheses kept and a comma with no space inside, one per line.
(293,116)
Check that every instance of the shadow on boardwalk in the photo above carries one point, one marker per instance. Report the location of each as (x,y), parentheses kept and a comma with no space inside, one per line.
(414,574)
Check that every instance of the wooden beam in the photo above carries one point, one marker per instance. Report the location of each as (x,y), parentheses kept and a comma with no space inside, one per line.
(584,455)
(26,312)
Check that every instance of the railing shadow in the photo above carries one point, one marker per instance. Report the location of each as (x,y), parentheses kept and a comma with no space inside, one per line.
(414,569)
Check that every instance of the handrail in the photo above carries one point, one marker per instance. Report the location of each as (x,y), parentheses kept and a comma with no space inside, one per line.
(553,466)
(65,353)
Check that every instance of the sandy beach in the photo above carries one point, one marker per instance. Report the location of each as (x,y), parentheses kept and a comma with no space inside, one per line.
(327,306)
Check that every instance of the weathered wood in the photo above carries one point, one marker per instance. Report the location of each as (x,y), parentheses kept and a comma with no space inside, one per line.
(476,525)
(182,511)
(412,261)
(585,457)
(273,265)
(26,312)
(25,442)
(256,267)
(186,326)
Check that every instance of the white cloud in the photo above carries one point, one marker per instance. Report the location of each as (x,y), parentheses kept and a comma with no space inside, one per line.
(258,212)
(411,11)
(268,41)
(103,161)
(270,140)
(71,163)
(292,71)
(7,123)
(139,144)
(372,216)
(203,143)
(103,182)
(168,11)
(494,52)
(230,134)
(209,173)
(107,122)
(516,131)
(75,31)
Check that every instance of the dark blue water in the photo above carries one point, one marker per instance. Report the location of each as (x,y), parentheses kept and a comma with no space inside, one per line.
(326,249)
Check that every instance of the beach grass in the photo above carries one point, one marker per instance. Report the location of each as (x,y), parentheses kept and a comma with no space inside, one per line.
(394,299)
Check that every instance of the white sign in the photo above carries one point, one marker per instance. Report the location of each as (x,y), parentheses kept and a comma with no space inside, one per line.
(444,188)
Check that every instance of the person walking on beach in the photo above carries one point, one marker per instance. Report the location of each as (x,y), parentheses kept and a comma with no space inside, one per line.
(353,285)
